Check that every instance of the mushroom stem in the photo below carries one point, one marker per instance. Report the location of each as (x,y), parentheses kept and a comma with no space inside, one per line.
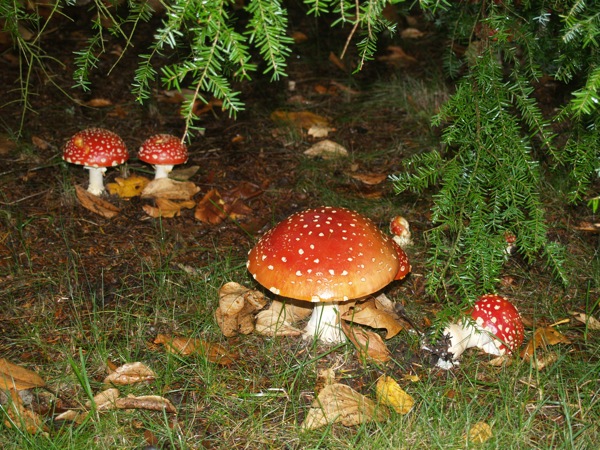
(96,186)
(465,335)
(324,324)
(163,170)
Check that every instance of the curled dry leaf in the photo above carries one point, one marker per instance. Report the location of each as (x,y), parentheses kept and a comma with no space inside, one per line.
(170,189)
(589,321)
(340,403)
(543,361)
(237,305)
(216,207)
(128,187)
(480,432)
(103,399)
(18,416)
(130,373)
(95,204)
(213,352)
(166,208)
(273,323)
(17,378)
(370,346)
(367,313)
(148,402)
(543,337)
(391,394)
(326,149)
(370,179)
(292,311)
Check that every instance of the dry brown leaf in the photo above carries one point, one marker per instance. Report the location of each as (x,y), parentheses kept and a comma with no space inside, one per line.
(130,373)
(370,346)
(273,323)
(543,361)
(588,226)
(292,311)
(391,394)
(39,143)
(502,360)
(148,402)
(368,314)
(337,62)
(166,208)
(237,305)
(326,149)
(212,209)
(212,351)
(128,187)
(18,416)
(183,173)
(104,399)
(18,378)
(590,322)
(370,179)
(98,102)
(170,189)
(95,204)
(300,119)
(340,403)
(319,131)
(411,33)
(542,338)
(397,57)
(480,432)
(299,37)
(72,415)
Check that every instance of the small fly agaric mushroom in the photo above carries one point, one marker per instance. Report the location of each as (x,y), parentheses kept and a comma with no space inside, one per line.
(163,151)
(96,149)
(400,230)
(495,327)
(326,255)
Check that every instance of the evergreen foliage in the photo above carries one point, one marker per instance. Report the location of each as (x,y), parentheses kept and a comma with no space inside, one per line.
(488,176)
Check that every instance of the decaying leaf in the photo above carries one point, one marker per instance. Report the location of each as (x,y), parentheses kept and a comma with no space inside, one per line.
(411,33)
(480,432)
(391,394)
(397,57)
(18,416)
(326,149)
(166,208)
(184,173)
(273,323)
(292,311)
(130,373)
(237,305)
(212,351)
(170,189)
(370,179)
(319,131)
(340,403)
(103,399)
(370,345)
(367,313)
(98,102)
(95,204)
(539,362)
(128,187)
(148,402)
(543,337)
(590,322)
(300,119)
(18,378)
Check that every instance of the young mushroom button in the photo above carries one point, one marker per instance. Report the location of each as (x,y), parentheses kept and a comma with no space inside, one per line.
(163,151)
(496,328)
(326,255)
(96,149)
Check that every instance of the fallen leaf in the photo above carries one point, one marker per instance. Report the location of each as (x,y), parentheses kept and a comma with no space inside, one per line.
(368,314)
(18,378)
(212,209)
(391,394)
(480,432)
(542,338)
(590,322)
(411,33)
(319,131)
(213,352)
(370,179)
(370,345)
(128,187)
(95,204)
(237,305)
(18,416)
(107,396)
(130,373)
(539,362)
(273,323)
(326,149)
(170,189)
(184,174)
(300,119)
(39,143)
(98,102)
(397,57)
(299,37)
(148,402)
(216,207)
(292,311)
(337,62)
(340,403)
(166,208)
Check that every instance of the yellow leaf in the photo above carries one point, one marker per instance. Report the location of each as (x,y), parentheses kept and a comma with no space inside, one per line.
(480,432)
(391,394)
(542,338)
(128,187)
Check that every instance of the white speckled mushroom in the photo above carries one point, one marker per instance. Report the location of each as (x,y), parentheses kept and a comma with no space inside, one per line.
(326,255)
(96,149)
(163,151)
(400,230)
(496,328)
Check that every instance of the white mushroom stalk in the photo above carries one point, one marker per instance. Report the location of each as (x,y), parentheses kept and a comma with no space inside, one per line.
(163,171)
(324,324)
(96,186)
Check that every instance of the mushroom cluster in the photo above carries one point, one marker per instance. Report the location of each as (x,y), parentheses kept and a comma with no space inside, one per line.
(494,325)
(326,256)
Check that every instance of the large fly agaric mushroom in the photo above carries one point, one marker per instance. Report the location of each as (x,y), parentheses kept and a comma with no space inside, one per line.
(96,149)
(495,326)
(163,151)
(326,255)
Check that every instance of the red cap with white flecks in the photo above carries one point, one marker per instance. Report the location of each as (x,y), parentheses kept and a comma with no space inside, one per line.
(500,317)
(163,149)
(96,147)
(325,254)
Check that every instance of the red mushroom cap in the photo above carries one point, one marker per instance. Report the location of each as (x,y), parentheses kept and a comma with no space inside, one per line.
(163,149)
(499,316)
(325,254)
(96,147)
